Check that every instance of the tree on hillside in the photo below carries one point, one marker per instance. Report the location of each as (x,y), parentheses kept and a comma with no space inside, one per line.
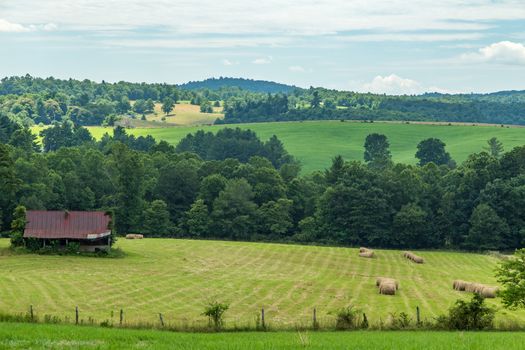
(336,171)
(511,274)
(206,107)
(494,147)
(432,150)
(129,182)
(9,185)
(157,218)
(486,229)
(197,220)
(167,105)
(18,225)
(234,209)
(316,100)
(377,151)
(411,227)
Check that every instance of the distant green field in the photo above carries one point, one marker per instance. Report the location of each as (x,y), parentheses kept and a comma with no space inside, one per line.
(27,336)
(316,143)
(178,277)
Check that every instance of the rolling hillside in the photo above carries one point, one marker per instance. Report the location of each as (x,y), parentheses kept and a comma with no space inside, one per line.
(245,84)
(316,143)
(177,278)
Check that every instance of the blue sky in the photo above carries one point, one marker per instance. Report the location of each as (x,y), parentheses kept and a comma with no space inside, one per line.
(381,46)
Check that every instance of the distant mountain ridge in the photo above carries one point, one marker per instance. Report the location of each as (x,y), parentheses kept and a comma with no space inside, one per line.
(245,84)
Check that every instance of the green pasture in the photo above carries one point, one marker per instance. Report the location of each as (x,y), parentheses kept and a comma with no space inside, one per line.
(316,143)
(178,277)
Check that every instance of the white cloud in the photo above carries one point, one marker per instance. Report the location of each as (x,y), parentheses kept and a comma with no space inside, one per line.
(49,27)
(393,85)
(263,60)
(296,69)
(8,27)
(228,62)
(504,52)
(286,17)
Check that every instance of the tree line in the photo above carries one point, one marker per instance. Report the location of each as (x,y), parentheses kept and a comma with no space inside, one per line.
(160,190)
(324,104)
(30,101)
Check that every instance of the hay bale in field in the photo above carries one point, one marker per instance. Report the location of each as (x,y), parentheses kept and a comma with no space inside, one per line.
(387,288)
(488,292)
(418,259)
(134,236)
(367,254)
(363,249)
(415,258)
(473,287)
(459,285)
(380,280)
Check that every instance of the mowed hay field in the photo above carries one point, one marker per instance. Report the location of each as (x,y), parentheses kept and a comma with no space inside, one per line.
(316,143)
(28,336)
(177,278)
(185,113)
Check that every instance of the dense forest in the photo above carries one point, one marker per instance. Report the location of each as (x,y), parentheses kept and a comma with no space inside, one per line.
(30,101)
(231,185)
(323,104)
(251,85)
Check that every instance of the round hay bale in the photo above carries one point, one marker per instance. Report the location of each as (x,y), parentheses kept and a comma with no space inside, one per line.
(473,287)
(488,292)
(363,249)
(387,280)
(387,288)
(418,259)
(367,254)
(459,285)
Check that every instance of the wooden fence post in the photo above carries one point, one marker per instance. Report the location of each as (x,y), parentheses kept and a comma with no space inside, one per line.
(315,324)
(76,315)
(262,318)
(31,313)
(161,320)
(418,316)
(121,316)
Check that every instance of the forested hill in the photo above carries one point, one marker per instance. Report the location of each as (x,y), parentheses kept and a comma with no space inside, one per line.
(244,84)
(29,100)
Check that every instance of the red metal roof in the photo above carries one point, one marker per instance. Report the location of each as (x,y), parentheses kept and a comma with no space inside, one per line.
(60,224)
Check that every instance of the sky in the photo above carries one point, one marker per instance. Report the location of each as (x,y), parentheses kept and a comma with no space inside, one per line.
(381,46)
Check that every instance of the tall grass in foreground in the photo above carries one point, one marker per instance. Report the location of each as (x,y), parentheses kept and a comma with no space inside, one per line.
(25,336)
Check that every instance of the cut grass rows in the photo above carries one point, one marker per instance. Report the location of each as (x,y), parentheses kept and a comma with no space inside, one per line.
(178,277)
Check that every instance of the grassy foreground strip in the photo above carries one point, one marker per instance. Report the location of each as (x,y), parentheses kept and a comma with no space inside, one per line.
(24,336)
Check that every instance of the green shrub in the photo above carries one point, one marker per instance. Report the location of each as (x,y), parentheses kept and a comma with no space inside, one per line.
(215,313)
(468,315)
(348,318)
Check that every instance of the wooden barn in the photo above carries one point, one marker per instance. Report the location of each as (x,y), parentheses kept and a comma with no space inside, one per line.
(91,229)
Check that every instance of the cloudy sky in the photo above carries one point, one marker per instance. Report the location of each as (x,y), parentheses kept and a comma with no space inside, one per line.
(385,46)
